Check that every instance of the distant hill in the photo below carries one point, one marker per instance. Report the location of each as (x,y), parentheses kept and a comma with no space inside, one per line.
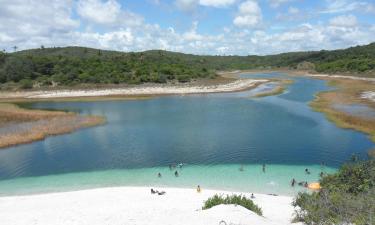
(74,65)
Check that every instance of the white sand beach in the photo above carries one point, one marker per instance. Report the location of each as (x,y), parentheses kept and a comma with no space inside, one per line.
(136,205)
(155,89)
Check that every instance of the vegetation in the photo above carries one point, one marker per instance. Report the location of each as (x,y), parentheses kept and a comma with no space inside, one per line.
(346,197)
(24,125)
(75,65)
(233,199)
(346,92)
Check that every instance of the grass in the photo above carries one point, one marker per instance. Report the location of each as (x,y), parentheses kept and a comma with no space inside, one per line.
(20,126)
(232,199)
(346,92)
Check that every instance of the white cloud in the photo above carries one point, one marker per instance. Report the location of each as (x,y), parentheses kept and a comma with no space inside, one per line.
(26,26)
(342,6)
(293,10)
(249,15)
(186,5)
(217,3)
(344,21)
(107,13)
(98,11)
(277,3)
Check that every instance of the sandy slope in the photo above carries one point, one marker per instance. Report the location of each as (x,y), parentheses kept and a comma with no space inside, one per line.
(136,205)
(237,85)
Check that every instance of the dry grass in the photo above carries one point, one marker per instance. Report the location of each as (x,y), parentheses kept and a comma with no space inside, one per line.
(19,126)
(347,92)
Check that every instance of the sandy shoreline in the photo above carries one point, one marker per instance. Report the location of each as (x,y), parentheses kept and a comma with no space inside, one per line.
(237,85)
(136,205)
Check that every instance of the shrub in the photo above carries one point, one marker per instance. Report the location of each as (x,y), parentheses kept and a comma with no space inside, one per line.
(233,199)
(347,197)
(26,83)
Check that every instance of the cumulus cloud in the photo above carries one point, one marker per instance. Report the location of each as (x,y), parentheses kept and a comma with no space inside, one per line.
(344,21)
(107,13)
(249,14)
(26,26)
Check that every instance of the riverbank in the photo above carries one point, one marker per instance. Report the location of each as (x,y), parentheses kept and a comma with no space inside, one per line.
(141,90)
(348,92)
(20,126)
(136,205)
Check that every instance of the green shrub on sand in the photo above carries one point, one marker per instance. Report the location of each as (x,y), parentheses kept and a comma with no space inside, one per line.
(233,199)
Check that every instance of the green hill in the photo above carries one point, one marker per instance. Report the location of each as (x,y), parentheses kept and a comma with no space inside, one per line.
(75,65)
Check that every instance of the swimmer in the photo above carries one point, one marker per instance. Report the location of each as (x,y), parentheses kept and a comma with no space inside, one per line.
(176,173)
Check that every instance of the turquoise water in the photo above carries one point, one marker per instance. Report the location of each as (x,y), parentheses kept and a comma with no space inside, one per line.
(212,134)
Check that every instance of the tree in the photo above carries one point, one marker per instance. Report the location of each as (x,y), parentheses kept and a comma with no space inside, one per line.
(15,48)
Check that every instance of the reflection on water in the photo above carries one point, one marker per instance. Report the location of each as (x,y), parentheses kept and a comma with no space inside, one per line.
(204,131)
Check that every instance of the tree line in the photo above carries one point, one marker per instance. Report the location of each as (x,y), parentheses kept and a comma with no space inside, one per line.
(76,65)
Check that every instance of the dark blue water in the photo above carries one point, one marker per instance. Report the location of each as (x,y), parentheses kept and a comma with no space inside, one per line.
(214,129)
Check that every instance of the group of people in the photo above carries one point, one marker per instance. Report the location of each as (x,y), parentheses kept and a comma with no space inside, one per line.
(303,183)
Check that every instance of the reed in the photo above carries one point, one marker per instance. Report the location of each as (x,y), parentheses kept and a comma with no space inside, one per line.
(20,126)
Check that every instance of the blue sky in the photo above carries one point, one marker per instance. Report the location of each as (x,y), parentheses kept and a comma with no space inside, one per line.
(215,27)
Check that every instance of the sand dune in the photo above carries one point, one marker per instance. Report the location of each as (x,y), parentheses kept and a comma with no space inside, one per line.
(237,85)
(136,205)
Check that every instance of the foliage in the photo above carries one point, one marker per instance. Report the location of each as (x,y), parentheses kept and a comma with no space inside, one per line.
(347,197)
(72,65)
(233,199)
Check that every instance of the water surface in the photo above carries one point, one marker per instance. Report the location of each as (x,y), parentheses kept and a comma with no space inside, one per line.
(213,134)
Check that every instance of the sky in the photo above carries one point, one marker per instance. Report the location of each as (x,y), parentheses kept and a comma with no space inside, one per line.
(205,27)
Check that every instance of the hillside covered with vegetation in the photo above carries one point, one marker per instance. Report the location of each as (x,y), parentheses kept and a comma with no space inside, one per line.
(75,65)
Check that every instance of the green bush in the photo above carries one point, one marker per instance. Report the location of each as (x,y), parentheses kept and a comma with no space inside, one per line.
(26,83)
(347,197)
(232,199)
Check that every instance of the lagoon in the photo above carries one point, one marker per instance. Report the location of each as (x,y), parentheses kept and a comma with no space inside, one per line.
(212,134)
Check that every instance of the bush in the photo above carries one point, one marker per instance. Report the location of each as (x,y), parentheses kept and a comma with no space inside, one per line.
(347,197)
(26,83)
(233,199)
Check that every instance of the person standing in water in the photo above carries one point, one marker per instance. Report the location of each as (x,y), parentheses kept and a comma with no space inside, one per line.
(159,175)
(176,173)
(293,182)
(264,168)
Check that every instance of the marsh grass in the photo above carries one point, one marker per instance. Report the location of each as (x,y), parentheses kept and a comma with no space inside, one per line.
(232,199)
(19,126)
(346,92)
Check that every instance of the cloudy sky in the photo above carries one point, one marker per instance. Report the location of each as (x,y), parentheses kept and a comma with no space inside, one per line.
(215,27)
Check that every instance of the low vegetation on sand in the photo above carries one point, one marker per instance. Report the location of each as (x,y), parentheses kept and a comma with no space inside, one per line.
(232,199)
(346,92)
(18,125)
(347,197)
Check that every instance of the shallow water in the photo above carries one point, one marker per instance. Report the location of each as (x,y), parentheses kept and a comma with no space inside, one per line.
(213,134)
(356,109)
